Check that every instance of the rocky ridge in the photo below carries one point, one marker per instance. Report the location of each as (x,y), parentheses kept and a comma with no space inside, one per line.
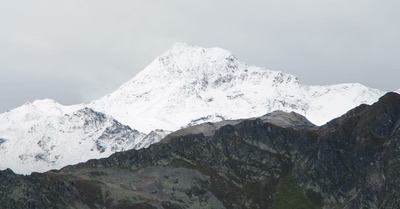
(186,86)
(279,160)
(52,136)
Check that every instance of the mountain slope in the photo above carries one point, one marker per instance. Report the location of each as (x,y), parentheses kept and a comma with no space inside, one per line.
(189,85)
(45,135)
(279,160)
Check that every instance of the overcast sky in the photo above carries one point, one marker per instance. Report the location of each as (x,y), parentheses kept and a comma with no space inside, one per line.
(75,51)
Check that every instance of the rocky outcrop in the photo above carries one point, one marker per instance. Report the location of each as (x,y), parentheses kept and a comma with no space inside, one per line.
(276,161)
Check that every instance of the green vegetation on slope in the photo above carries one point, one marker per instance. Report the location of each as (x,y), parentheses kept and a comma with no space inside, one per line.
(291,196)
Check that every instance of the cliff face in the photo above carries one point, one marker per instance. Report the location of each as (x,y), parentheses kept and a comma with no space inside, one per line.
(276,161)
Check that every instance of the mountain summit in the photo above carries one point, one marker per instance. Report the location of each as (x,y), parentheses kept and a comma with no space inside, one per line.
(185,86)
(188,85)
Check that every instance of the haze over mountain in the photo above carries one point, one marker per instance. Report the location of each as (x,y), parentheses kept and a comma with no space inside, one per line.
(185,86)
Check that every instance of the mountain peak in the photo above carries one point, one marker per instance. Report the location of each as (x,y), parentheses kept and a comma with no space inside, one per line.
(190,49)
(186,86)
(38,109)
(44,101)
(187,60)
(181,46)
(189,83)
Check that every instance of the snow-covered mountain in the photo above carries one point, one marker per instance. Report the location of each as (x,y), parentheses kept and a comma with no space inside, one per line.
(188,85)
(45,135)
(185,86)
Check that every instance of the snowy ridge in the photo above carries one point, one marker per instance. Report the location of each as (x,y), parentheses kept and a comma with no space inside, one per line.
(33,139)
(185,86)
(189,85)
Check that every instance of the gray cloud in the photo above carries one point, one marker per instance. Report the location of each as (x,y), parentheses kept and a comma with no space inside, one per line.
(76,51)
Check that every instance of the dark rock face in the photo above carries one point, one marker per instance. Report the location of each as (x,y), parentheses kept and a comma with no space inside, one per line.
(2,140)
(276,161)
